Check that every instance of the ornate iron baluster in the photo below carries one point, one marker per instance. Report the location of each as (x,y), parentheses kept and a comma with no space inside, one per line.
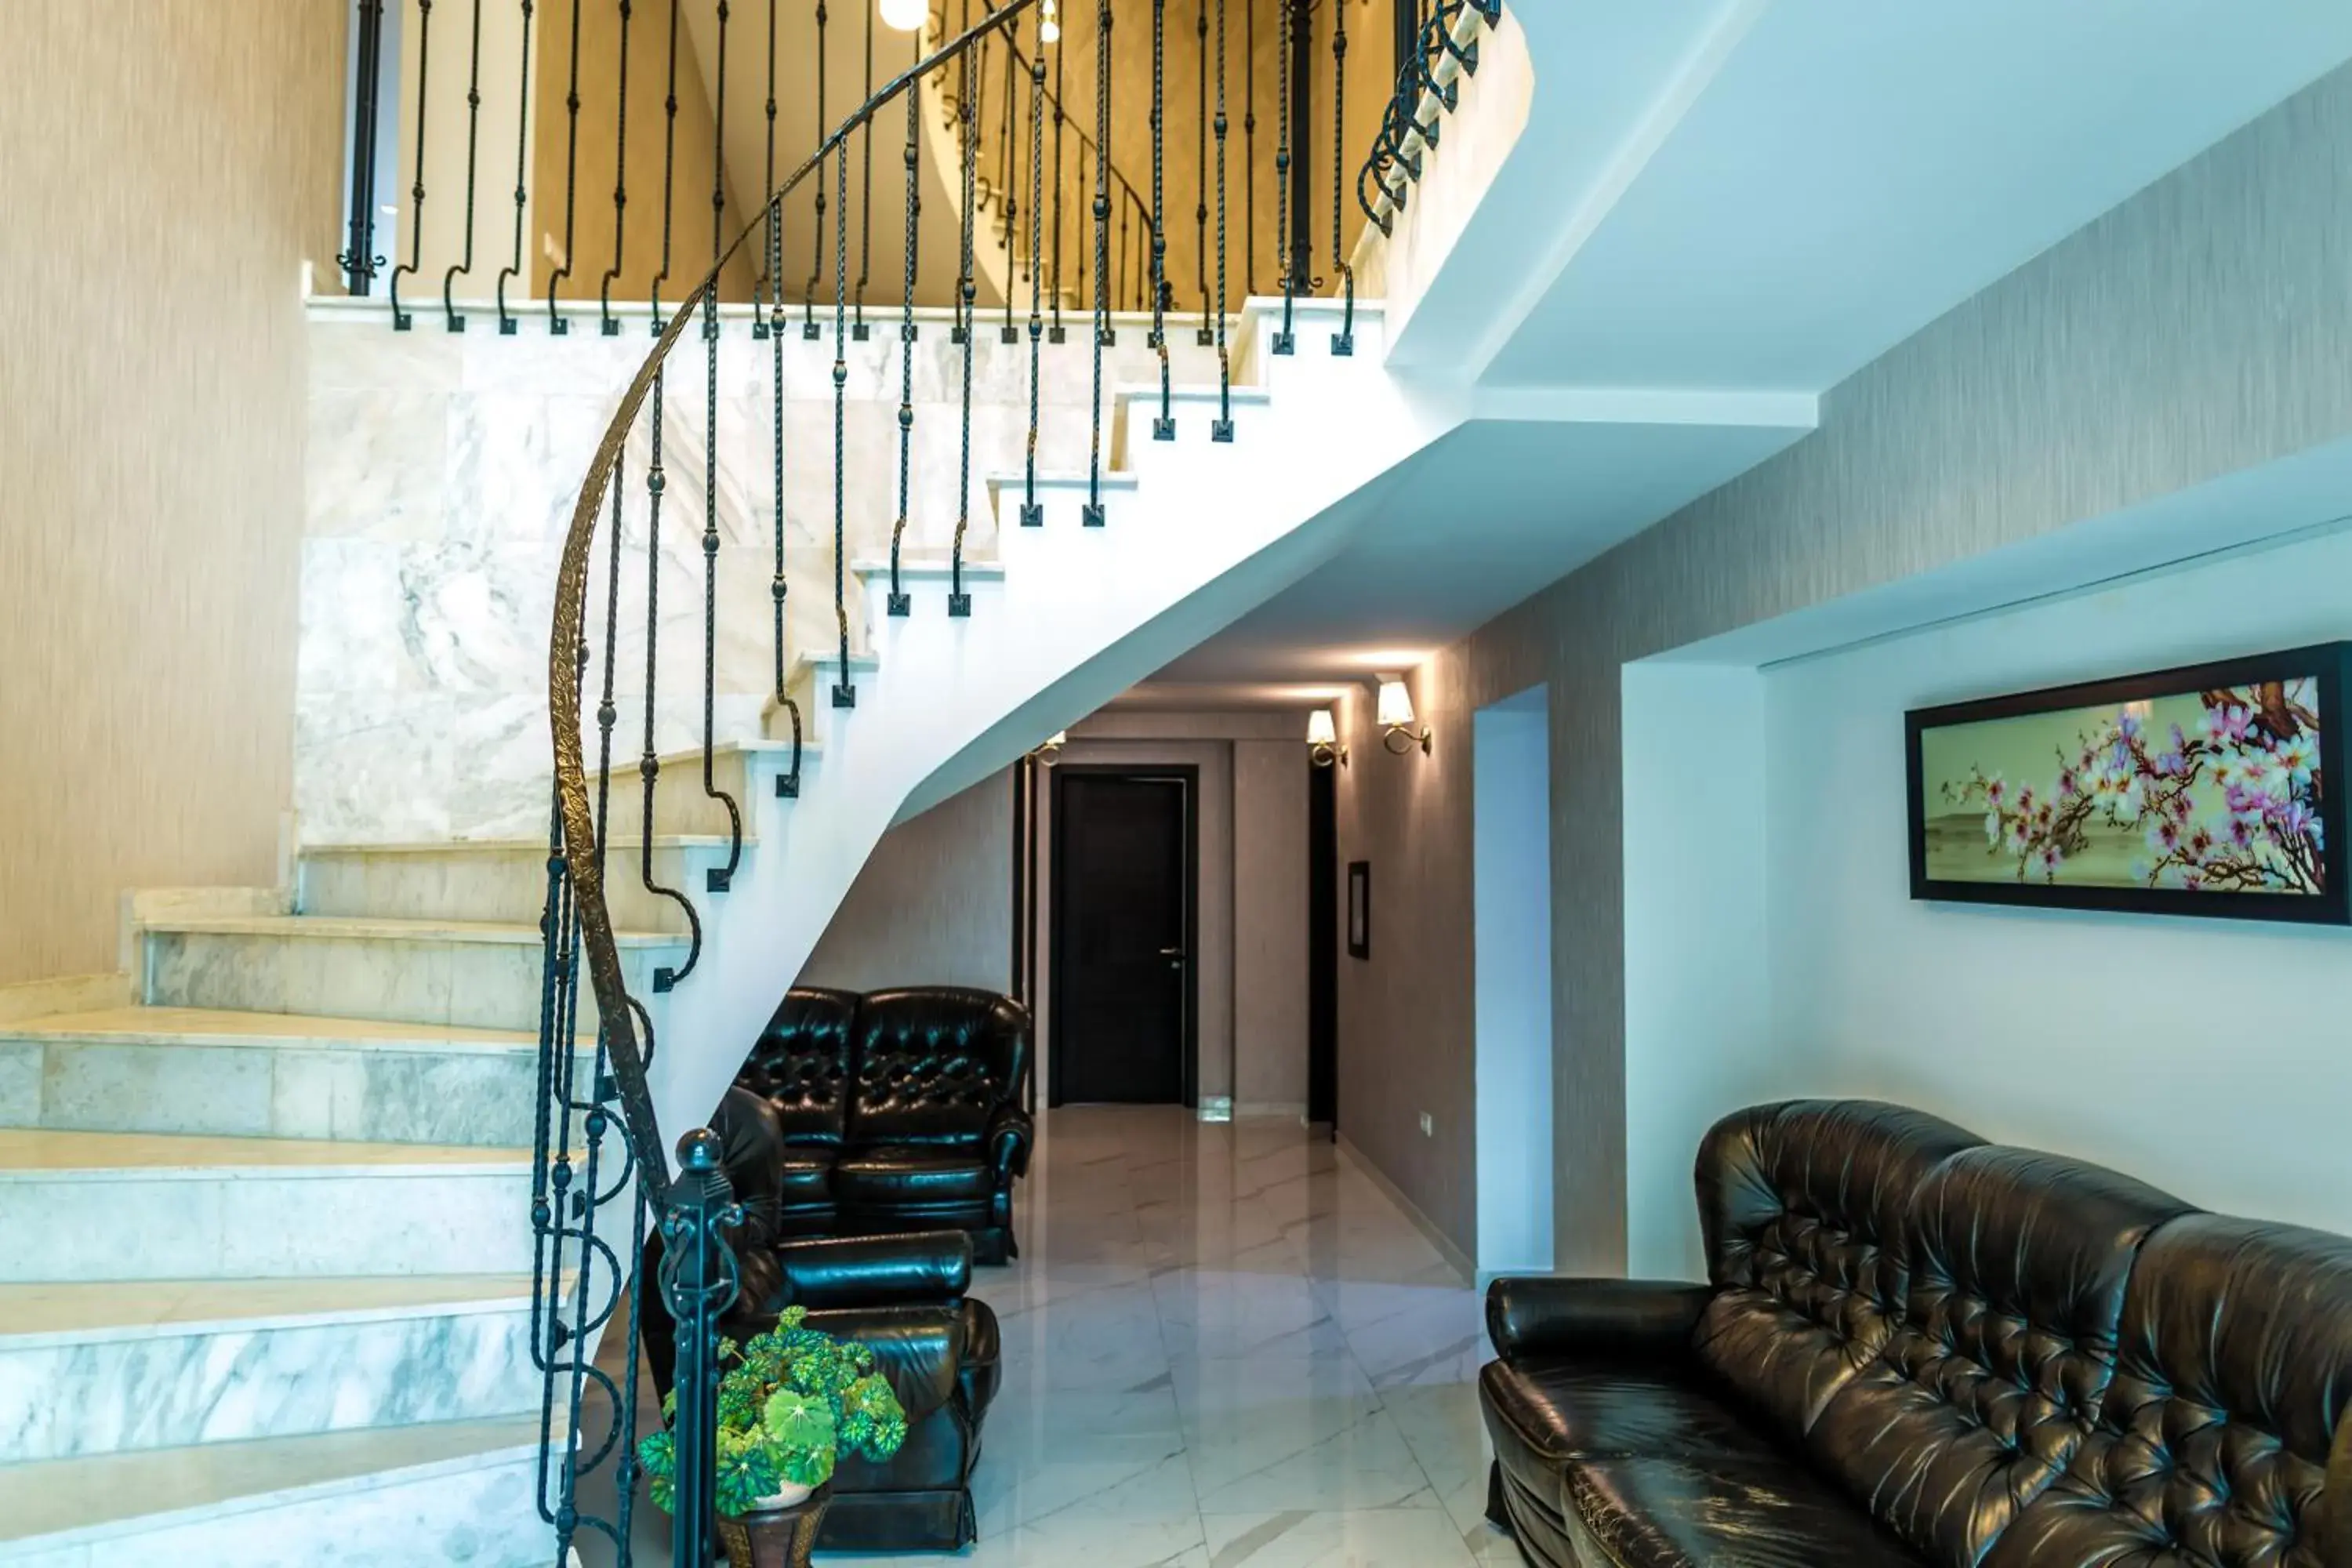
(1091,515)
(1163,427)
(967,293)
(556,324)
(1054,333)
(401,319)
(788,785)
(845,695)
(1249,150)
(1033,515)
(358,259)
(473,134)
(508,324)
(669,202)
(858,333)
(610,324)
(700,1277)
(763,322)
(899,604)
(719,877)
(1201,338)
(1008,169)
(816,248)
(1221,427)
(1343,342)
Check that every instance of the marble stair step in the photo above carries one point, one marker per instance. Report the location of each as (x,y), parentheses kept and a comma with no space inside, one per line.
(272,1075)
(88,1206)
(1061,496)
(743,769)
(462,1491)
(477,975)
(93,1369)
(504,880)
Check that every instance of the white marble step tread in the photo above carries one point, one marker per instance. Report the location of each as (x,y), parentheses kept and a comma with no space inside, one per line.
(625,767)
(33,1153)
(363,928)
(929,568)
(538,846)
(47,1509)
(201,1026)
(1192,391)
(57,1314)
(1064,480)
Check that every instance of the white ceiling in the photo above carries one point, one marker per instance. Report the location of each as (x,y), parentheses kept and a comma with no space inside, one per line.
(1742,196)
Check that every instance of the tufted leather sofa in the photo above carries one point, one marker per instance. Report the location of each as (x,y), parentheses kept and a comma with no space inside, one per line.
(900,1110)
(905,1298)
(1915,1347)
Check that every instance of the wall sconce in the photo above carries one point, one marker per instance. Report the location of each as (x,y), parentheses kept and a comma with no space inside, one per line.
(1323,744)
(1049,23)
(1394,713)
(1048,750)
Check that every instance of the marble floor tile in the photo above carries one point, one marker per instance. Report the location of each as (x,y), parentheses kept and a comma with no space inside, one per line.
(1366,1538)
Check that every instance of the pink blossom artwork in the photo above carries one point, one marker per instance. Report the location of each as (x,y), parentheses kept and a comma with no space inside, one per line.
(2156,794)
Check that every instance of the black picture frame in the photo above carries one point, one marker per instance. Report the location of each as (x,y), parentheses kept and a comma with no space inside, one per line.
(1360,908)
(2328,663)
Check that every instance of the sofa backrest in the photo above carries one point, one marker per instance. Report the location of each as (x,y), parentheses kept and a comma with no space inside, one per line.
(1991,1379)
(1804,1205)
(800,1065)
(933,1063)
(2214,1439)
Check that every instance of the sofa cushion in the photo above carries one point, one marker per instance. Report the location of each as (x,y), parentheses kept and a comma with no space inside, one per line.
(2234,1373)
(800,1065)
(933,1064)
(898,1176)
(1803,1208)
(1542,1411)
(1657,1512)
(804,1188)
(1990,1383)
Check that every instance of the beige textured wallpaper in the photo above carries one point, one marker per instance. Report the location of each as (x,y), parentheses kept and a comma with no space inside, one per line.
(2198,329)
(167,166)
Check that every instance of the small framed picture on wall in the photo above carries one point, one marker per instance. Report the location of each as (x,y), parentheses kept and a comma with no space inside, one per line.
(1360,908)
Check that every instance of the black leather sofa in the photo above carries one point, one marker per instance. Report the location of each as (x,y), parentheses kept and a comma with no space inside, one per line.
(905,1298)
(900,1110)
(1915,1347)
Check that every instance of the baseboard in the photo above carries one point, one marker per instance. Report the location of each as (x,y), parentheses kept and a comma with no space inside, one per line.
(1454,1255)
(1215,1108)
(1296,1109)
(68,993)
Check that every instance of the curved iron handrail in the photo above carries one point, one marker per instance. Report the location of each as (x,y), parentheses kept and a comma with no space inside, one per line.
(613,1003)
(1400,121)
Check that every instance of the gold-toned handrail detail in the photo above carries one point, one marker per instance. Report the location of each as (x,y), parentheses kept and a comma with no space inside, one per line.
(564,637)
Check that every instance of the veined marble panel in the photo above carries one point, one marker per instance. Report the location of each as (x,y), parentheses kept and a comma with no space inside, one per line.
(479,1511)
(63,1396)
(502,882)
(265,1223)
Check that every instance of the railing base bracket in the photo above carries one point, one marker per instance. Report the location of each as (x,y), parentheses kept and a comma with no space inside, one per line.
(810,332)
(1107,337)
(506,326)
(788,786)
(664,979)
(403,321)
(1032,514)
(955,335)
(717,878)
(1221,430)
(844,696)
(1283,343)
(1090,515)
(559,327)
(1163,429)
(901,603)
(1204,338)
(1343,344)
(860,332)
(1057,335)
(761,332)
(457,323)
(612,328)
(1008,334)
(959,606)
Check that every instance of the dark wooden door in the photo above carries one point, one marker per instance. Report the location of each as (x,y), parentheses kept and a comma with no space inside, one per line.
(1323,948)
(1122,937)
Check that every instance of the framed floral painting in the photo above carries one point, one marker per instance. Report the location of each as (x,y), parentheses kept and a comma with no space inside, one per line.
(2215,790)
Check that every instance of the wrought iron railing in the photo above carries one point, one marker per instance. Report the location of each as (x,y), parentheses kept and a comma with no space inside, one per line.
(603,1177)
(1428,87)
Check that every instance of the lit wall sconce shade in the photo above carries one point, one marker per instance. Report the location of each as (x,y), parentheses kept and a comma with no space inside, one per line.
(1394,712)
(1323,745)
(905,15)
(1049,23)
(1050,748)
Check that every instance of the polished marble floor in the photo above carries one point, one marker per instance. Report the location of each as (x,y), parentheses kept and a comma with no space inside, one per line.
(1225,1347)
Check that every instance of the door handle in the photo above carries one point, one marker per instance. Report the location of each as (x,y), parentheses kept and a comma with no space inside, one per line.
(1175,955)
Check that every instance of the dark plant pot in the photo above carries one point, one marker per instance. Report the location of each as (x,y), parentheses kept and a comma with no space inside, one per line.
(781,1538)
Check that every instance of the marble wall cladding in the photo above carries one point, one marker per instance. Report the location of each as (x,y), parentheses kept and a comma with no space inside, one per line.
(65,1396)
(442,473)
(266,1223)
(472,1096)
(479,1512)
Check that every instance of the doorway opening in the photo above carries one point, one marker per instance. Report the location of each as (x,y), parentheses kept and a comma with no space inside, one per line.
(1124,927)
(1510,802)
(1323,950)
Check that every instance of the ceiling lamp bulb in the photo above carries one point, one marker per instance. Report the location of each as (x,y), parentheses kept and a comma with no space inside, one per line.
(905,15)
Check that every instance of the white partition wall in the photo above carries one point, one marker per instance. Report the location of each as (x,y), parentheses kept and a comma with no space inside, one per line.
(1511,902)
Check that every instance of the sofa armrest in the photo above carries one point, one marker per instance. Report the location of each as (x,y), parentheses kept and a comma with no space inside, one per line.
(1553,1317)
(918,1349)
(1010,1133)
(926,1268)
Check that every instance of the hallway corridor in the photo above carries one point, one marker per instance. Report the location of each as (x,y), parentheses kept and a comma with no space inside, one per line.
(1225,1347)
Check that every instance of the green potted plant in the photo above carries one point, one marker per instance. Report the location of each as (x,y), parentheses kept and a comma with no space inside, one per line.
(791,1403)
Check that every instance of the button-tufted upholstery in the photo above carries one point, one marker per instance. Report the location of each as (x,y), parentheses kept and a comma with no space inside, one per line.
(2215,1436)
(1803,1206)
(1915,1348)
(898,1110)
